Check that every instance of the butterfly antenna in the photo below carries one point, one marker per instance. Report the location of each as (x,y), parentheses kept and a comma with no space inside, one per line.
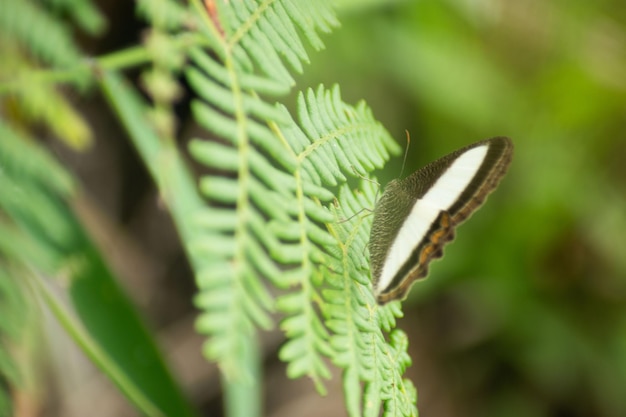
(406,151)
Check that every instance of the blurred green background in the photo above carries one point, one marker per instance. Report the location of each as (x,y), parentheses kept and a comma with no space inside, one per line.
(526,313)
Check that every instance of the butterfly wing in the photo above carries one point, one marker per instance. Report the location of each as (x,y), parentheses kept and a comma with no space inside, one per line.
(416,216)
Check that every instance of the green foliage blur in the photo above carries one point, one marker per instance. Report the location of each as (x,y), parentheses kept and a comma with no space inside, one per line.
(526,313)
(528,307)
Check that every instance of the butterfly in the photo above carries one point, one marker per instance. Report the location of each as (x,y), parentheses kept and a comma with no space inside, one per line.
(416,216)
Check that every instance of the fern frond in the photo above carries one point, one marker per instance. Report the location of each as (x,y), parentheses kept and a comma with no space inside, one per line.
(235,252)
(18,155)
(399,395)
(42,103)
(360,325)
(29,177)
(346,138)
(32,36)
(259,187)
(36,30)
(82,13)
(353,316)
(26,171)
(265,32)
(271,180)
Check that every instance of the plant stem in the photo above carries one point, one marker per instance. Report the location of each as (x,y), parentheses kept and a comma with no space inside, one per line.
(243,398)
(75,330)
(89,68)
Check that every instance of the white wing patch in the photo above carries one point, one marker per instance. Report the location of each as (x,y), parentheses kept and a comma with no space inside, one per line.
(457,177)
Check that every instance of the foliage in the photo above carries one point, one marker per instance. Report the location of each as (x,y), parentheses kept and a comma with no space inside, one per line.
(33,36)
(524,317)
(236,249)
(42,237)
(268,215)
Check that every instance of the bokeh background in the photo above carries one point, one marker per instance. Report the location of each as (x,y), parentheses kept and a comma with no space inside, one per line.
(526,313)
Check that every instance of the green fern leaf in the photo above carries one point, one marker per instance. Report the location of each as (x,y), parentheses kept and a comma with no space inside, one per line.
(264,33)
(81,12)
(271,179)
(34,35)
(35,28)
(360,326)
(38,167)
(258,168)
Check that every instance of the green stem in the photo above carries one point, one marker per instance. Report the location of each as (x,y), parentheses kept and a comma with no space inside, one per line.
(242,398)
(120,60)
(166,165)
(93,351)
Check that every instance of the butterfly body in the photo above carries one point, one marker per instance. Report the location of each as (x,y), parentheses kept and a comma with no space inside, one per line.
(416,216)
